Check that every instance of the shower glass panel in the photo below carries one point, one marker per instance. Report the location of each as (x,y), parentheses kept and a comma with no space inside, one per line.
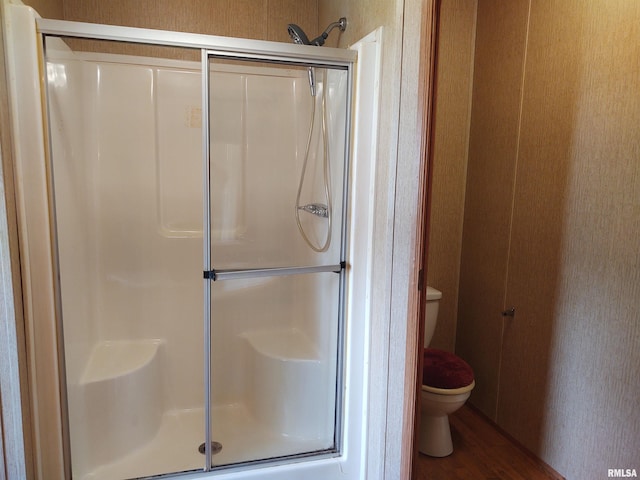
(126,169)
(277,167)
(273,367)
(277,158)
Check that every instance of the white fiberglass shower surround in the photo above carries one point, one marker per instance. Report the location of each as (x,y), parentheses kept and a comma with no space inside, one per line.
(176,161)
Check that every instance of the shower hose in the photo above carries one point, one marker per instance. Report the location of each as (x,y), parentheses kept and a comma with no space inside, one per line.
(326,175)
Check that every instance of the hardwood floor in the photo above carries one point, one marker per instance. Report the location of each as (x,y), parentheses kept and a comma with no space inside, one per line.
(481,452)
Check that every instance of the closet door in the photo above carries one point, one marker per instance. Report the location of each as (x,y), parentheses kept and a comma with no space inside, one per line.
(537,229)
(493,149)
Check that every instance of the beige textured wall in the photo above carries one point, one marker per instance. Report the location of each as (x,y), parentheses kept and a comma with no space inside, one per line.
(362,18)
(47,8)
(456,45)
(258,19)
(567,125)
(592,421)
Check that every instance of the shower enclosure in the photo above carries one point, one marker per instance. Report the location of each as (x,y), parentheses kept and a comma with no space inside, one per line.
(197,329)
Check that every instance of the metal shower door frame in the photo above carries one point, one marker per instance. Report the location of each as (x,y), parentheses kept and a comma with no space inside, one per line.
(233,49)
(210,273)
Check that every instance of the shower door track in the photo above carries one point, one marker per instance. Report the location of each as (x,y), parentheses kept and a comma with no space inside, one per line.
(221,47)
(249,50)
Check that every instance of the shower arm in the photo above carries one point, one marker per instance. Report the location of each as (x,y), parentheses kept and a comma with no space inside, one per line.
(341,24)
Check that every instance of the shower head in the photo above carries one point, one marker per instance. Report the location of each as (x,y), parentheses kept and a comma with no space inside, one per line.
(298,36)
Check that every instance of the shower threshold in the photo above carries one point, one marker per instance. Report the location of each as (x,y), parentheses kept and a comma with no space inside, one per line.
(175,447)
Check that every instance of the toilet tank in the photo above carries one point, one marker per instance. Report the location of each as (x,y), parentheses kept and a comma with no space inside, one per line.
(431,313)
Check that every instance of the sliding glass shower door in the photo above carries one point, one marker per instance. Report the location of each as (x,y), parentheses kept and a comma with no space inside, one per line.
(199,200)
(126,183)
(277,204)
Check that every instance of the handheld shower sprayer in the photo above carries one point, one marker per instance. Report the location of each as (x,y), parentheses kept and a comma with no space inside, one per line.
(311,72)
(319,209)
(298,36)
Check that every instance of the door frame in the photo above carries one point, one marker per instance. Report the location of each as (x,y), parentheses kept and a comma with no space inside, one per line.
(426,91)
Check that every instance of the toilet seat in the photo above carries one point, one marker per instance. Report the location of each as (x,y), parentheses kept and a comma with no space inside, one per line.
(446,373)
(449,391)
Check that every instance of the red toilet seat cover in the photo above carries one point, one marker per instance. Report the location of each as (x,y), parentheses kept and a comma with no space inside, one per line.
(445,370)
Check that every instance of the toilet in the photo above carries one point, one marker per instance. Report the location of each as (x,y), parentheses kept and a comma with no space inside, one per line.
(447,382)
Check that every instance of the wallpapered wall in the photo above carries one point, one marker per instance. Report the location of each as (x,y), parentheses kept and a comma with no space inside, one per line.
(262,19)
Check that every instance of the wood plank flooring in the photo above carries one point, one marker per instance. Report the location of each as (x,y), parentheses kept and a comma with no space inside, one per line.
(481,452)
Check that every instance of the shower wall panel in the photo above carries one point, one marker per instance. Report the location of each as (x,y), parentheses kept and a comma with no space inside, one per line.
(178,117)
(140,178)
